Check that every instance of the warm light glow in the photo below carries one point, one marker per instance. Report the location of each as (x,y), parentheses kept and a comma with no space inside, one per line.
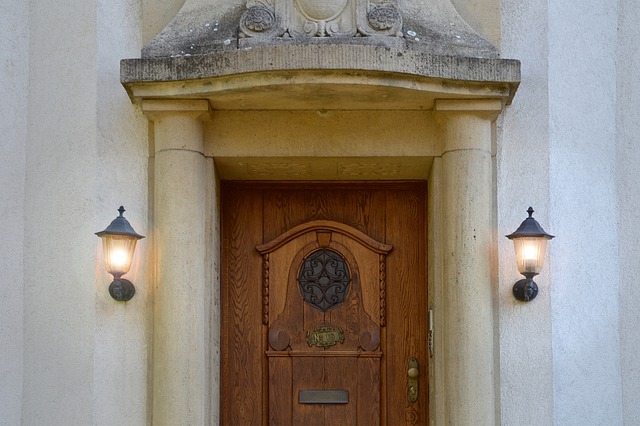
(118,258)
(530,254)
(118,253)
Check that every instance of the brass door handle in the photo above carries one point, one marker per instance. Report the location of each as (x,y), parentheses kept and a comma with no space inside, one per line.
(412,380)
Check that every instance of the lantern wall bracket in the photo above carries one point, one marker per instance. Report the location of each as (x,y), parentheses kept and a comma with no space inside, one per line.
(122,290)
(526,289)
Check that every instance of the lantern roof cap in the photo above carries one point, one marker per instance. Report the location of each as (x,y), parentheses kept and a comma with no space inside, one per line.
(529,228)
(120,226)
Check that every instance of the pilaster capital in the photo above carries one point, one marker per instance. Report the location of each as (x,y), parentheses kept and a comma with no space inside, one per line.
(178,123)
(466,124)
(487,109)
(156,109)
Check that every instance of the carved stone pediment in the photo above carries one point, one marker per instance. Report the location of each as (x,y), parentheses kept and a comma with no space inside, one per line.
(327,21)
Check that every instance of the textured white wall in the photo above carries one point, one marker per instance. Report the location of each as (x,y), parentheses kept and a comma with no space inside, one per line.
(526,382)
(13,135)
(122,331)
(628,144)
(85,356)
(60,258)
(569,144)
(584,257)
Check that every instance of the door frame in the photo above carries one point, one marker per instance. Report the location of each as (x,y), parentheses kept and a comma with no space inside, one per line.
(193,146)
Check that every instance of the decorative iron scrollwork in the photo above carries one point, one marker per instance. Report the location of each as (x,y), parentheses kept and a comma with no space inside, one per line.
(324,279)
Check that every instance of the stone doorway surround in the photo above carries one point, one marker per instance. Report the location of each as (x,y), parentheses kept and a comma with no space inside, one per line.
(322,112)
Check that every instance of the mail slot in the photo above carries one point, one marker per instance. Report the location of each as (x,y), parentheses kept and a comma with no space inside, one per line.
(323,397)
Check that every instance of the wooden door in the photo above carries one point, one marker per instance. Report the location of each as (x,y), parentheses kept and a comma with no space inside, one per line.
(324,303)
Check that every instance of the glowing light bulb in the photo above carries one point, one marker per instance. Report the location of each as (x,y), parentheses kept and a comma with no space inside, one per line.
(530,252)
(119,258)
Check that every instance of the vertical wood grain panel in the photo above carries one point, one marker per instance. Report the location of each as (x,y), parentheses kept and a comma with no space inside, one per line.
(280,391)
(241,311)
(406,302)
(283,210)
(308,374)
(368,403)
(326,204)
(341,374)
(364,211)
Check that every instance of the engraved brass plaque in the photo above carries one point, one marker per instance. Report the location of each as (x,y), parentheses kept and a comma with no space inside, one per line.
(325,337)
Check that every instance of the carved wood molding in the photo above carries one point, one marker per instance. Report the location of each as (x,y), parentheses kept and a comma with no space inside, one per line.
(265,288)
(279,339)
(383,289)
(325,225)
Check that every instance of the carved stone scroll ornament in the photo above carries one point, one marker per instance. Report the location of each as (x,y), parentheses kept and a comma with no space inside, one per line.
(285,21)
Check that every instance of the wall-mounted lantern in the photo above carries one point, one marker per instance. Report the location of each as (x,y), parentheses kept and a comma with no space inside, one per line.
(530,242)
(119,243)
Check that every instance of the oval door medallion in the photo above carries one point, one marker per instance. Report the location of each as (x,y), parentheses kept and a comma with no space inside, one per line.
(324,279)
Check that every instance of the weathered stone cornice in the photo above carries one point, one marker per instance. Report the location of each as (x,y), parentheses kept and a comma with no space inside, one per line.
(319,57)
(350,64)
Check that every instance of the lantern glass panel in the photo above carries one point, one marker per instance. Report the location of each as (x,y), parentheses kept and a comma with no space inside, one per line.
(530,253)
(118,253)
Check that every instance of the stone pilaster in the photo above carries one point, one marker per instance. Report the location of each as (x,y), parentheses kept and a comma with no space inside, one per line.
(180,328)
(466,231)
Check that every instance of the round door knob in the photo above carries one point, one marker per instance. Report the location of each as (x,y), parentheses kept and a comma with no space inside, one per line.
(413,372)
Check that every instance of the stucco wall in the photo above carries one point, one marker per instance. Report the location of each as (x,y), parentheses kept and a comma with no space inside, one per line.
(582,110)
(59,292)
(523,181)
(628,174)
(13,135)
(572,127)
(122,353)
(85,357)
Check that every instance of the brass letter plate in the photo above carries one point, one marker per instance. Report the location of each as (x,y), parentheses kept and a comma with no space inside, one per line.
(324,337)
(323,397)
